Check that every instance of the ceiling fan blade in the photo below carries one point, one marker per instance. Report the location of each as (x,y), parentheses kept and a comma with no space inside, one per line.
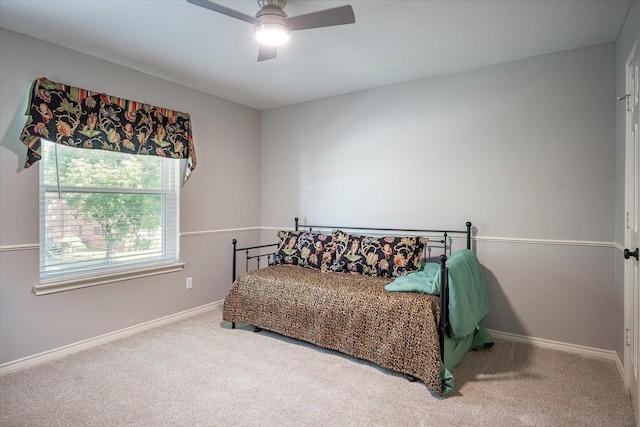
(323,18)
(267,52)
(224,10)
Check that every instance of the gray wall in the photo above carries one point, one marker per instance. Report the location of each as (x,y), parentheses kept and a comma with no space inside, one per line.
(524,150)
(628,37)
(227,140)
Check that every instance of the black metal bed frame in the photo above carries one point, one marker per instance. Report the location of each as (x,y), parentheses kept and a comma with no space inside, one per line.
(444,272)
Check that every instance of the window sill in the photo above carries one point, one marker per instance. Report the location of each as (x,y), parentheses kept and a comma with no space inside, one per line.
(85,282)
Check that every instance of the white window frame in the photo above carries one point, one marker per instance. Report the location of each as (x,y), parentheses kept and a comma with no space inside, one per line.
(66,280)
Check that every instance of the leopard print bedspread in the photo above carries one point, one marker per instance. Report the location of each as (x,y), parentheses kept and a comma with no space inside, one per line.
(352,314)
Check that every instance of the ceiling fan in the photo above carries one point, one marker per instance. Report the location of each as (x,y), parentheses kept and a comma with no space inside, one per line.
(272,25)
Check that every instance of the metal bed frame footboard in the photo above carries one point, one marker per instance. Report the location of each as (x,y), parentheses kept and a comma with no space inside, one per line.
(445,240)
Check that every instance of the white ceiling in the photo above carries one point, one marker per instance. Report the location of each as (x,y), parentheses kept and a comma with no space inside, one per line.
(391,41)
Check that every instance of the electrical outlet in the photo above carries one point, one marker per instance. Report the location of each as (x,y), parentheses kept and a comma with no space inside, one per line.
(189,282)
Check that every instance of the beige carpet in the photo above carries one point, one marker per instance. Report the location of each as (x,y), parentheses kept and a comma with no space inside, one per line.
(199,372)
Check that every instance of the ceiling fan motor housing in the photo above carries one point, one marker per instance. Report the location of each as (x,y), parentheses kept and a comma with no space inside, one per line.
(272,28)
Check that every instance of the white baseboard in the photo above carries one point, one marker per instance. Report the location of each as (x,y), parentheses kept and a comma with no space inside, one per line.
(61,352)
(619,365)
(561,346)
(556,345)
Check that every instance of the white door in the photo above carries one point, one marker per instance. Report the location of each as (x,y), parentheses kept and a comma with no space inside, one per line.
(632,235)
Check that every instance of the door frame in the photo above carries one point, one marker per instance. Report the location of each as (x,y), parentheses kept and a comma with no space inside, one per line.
(631,90)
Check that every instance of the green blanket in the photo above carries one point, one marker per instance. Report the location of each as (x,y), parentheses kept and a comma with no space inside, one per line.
(468,305)
(468,302)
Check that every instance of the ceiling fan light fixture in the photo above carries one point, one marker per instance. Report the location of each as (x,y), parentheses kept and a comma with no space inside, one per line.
(272,33)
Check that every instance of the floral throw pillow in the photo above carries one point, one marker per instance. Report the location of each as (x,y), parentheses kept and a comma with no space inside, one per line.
(307,249)
(377,256)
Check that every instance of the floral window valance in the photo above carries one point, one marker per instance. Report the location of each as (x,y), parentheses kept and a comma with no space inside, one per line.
(85,119)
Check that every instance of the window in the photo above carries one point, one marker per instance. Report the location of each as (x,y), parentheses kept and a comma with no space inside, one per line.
(105,216)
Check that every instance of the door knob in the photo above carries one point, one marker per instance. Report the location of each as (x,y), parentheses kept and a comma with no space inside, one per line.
(628,254)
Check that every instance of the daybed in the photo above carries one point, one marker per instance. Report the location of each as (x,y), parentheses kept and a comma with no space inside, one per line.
(374,298)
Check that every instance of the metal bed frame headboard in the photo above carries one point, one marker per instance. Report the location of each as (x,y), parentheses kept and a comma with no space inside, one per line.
(248,256)
(444,233)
